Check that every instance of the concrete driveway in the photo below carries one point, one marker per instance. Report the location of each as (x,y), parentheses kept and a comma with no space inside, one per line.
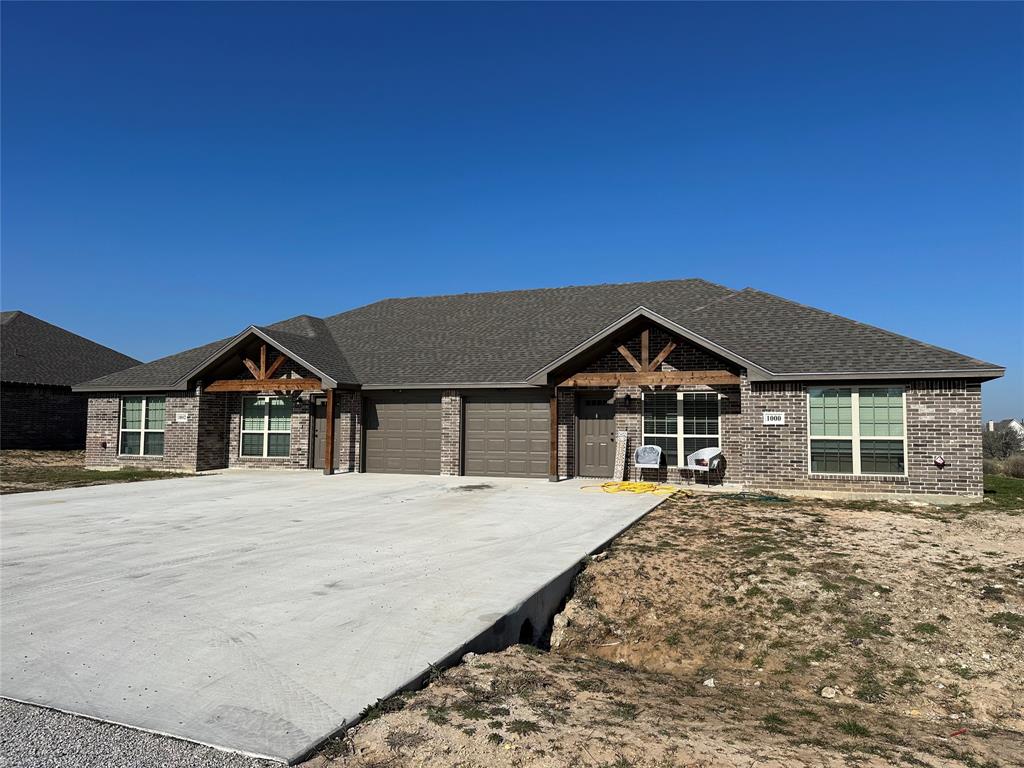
(260,611)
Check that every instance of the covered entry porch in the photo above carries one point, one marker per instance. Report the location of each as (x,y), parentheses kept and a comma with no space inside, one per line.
(644,383)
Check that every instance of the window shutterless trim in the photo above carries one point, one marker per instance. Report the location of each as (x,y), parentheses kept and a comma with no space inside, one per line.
(265,431)
(855,438)
(142,430)
(681,417)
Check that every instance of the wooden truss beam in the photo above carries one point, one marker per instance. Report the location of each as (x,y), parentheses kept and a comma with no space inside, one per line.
(662,356)
(274,367)
(629,358)
(264,385)
(252,368)
(649,378)
(263,378)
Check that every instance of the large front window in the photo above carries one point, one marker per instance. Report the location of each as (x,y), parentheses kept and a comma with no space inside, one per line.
(266,426)
(142,426)
(857,430)
(695,412)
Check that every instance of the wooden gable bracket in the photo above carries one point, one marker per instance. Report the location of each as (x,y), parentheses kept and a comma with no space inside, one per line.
(645,371)
(263,378)
(646,365)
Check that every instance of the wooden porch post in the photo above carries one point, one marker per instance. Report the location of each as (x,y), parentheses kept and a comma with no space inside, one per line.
(329,435)
(553,458)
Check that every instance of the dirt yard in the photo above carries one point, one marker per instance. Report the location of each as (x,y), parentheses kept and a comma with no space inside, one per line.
(22,471)
(739,632)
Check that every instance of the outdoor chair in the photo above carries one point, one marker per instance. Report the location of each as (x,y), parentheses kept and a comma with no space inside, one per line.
(706,460)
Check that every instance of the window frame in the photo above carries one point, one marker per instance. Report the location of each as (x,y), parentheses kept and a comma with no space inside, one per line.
(266,431)
(855,438)
(143,430)
(681,436)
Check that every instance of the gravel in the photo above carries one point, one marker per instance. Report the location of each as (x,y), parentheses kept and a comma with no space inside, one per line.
(33,737)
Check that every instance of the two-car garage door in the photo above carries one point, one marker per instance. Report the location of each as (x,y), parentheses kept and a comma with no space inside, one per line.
(504,434)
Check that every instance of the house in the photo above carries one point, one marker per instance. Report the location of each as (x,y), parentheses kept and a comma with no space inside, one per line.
(539,383)
(38,364)
(1012,424)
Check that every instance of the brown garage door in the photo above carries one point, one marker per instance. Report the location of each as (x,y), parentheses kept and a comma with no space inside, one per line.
(403,433)
(507,435)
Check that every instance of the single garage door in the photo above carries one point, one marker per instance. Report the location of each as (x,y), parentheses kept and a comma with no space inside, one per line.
(403,433)
(507,435)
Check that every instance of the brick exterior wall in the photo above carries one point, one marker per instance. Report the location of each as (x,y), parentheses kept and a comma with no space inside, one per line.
(451,432)
(209,437)
(42,417)
(943,419)
(180,439)
(212,433)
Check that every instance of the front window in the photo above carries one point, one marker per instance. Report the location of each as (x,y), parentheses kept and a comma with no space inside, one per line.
(142,426)
(266,426)
(661,419)
(857,430)
(698,414)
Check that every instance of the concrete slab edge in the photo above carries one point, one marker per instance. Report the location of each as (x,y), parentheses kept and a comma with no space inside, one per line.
(164,734)
(486,641)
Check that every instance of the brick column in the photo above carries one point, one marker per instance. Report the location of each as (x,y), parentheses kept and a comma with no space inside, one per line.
(349,434)
(451,432)
(566,433)
(629,419)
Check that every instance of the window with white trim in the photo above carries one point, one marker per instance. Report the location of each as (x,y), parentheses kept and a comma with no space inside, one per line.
(857,430)
(699,413)
(142,426)
(266,426)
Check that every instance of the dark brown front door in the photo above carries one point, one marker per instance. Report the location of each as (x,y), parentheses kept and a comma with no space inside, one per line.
(595,413)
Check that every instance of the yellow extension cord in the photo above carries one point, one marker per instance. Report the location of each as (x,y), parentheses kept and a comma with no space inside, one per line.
(626,486)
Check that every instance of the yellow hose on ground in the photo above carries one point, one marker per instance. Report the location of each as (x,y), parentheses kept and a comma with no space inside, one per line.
(626,486)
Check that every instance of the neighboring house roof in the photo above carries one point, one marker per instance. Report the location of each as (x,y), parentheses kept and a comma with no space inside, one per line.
(505,338)
(999,426)
(33,351)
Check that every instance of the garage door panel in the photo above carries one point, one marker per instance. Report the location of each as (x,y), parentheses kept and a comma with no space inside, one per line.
(403,434)
(506,435)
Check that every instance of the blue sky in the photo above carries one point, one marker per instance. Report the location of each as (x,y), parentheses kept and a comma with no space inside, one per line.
(174,172)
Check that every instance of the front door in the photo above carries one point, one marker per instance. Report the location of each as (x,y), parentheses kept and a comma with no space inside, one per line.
(320,431)
(596,452)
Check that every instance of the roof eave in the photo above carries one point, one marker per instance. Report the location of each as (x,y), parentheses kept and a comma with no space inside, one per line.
(985,374)
(127,388)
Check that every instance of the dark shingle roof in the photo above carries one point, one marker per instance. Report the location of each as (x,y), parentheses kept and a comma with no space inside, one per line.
(494,337)
(789,338)
(33,351)
(505,337)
